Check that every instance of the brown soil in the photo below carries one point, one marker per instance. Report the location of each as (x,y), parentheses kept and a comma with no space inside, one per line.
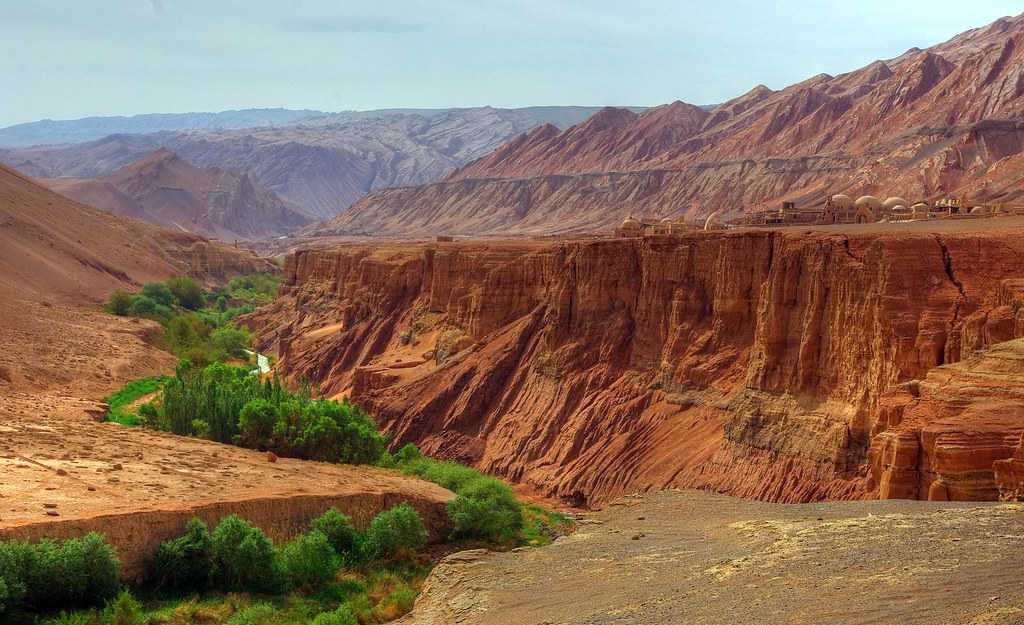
(697,558)
(65,474)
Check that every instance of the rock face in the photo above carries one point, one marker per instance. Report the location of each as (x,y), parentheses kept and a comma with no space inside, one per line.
(322,165)
(163,189)
(759,364)
(928,124)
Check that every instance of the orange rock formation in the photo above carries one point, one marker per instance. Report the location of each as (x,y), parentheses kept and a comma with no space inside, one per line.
(760,364)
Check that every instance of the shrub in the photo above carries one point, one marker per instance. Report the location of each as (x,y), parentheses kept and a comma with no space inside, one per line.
(143,306)
(256,614)
(74,618)
(342,616)
(232,341)
(50,575)
(409,453)
(184,562)
(256,423)
(394,530)
(244,559)
(124,610)
(187,291)
(120,303)
(341,534)
(309,560)
(89,569)
(396,603)
(450,475)
(159,293)
(486,508)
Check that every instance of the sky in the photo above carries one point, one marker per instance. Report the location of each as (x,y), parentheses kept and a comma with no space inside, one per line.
(64,59)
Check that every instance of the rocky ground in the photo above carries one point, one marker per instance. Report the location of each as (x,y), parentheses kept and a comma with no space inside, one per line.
(697,558)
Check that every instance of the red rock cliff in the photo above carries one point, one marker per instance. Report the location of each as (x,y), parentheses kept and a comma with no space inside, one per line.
(760,364)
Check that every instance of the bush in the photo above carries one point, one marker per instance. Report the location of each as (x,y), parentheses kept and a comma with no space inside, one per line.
(342,616)
(188,292)
(396,603)
(256,614)
(159,293)
(244,559)
(120,303)
(50,575)
(90,569)
(256,423)
(309,560)
(232,341)
(147,307)
(341,534)
(486,508)
(409,453)
(124,610)
(395,530)
(450,475)
(184,563)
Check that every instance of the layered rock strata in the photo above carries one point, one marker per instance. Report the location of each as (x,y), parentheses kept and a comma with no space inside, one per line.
(754,363)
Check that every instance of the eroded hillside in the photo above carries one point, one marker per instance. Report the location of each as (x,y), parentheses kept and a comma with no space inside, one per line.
(928,124)
(760,364)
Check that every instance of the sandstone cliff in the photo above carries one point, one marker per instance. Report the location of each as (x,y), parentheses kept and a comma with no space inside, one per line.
(760,364)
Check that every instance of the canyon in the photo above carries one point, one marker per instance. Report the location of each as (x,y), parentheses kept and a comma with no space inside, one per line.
(941,122)
(789,366)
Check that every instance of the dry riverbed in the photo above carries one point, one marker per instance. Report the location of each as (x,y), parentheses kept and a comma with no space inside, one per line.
(676,558)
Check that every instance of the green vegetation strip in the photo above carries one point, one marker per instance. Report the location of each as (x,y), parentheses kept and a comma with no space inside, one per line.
(119,403)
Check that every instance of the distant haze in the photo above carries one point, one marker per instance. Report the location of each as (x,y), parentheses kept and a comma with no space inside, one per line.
(65,60)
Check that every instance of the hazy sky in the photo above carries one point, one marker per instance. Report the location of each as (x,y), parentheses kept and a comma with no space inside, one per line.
(74,58)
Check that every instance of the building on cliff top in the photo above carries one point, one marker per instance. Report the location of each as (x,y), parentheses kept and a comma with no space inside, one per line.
(634,227)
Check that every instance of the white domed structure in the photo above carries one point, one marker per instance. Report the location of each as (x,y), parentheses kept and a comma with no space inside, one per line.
(869,202)
(630,222)
(979,210)
(842,202)
(893,202)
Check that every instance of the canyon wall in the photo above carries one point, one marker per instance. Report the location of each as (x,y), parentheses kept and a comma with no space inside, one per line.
(760,364)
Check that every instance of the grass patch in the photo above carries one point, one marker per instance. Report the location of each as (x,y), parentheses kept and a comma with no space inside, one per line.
(119,403)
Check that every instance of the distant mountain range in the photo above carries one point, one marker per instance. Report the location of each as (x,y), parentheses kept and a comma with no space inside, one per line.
(319,162)
(947,121)
(163,189)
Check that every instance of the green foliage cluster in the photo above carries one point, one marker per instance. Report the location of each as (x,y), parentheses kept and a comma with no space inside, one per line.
(118,402)
(228,405)
(484,507)
(184,562)
(49,575)
(238,557)
(395,531)
(196,325)
(244,559)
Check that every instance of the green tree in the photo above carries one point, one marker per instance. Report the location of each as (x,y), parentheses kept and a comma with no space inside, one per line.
(486,508)
(244,559)
(159,293)
(187,291)
(340,532)
(184,562)
(395,530)
(309,560)
(120,303)
(256,424)
(234,341)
